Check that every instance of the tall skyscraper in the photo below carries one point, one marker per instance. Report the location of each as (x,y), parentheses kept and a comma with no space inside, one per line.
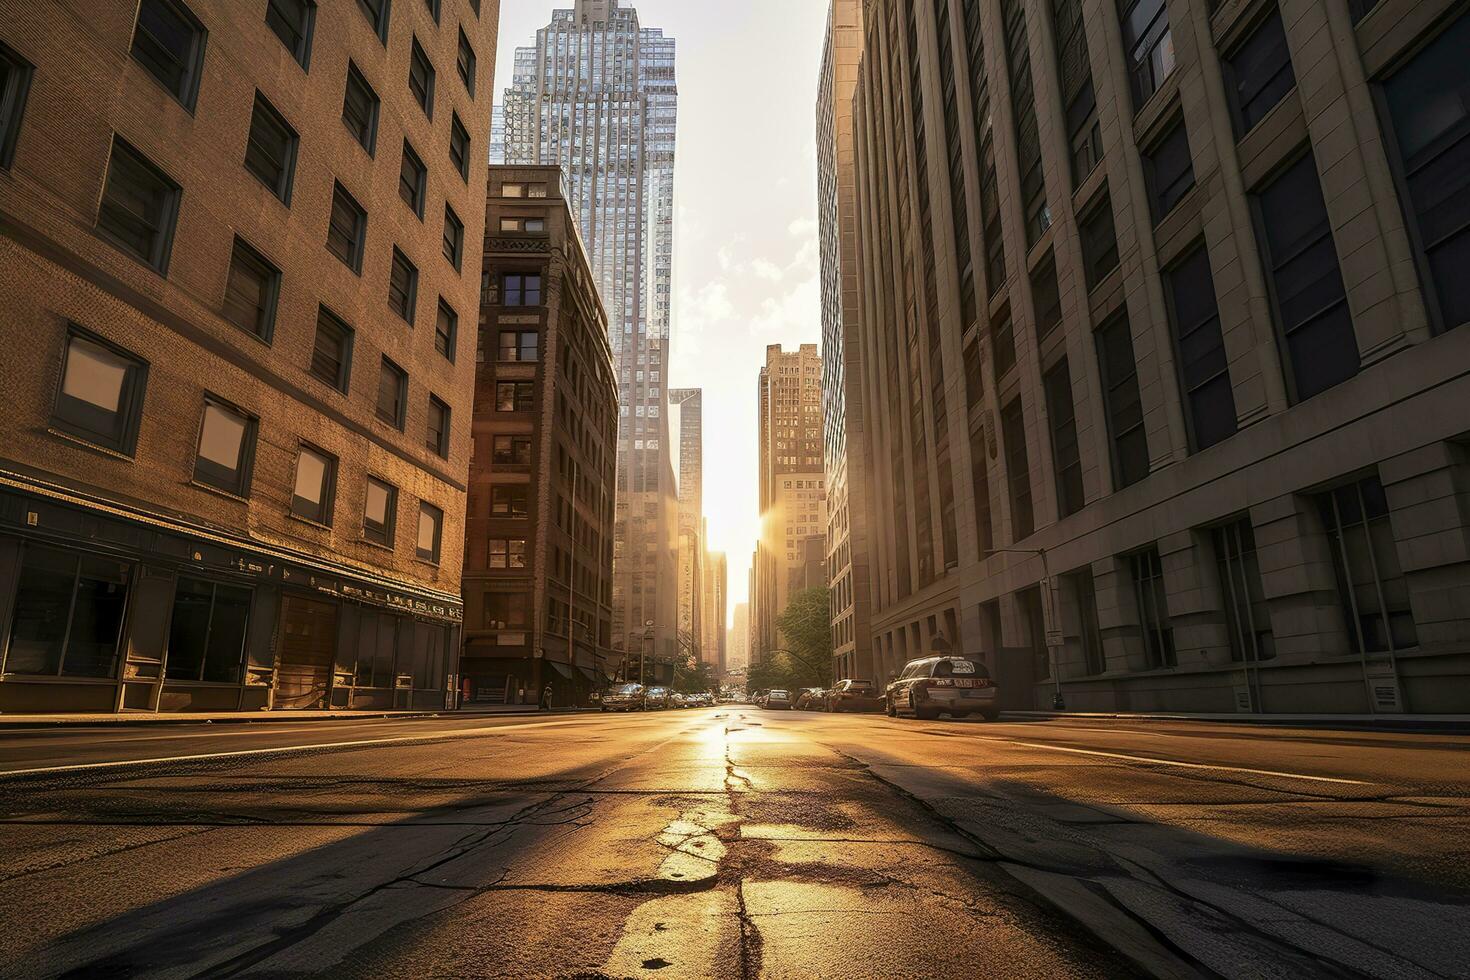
(846,447)
(737,643)
(792,488)
(715,595)
(686,425)
(596,95)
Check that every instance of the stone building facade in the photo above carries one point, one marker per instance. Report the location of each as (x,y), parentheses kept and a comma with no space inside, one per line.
(1163,319)
(538,544)
(236,404)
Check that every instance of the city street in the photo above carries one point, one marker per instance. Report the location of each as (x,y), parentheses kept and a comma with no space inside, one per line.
(732,842)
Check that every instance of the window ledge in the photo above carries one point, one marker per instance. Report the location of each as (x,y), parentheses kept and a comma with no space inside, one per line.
(374,544)
(218,492)
(85,443)
(292,515)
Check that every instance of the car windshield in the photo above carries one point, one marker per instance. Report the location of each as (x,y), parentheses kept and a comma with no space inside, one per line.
(629,689)
(777,694)
(859,685)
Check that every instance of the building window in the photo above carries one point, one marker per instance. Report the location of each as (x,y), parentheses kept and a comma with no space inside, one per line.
(1311,303)
(331,355)
(392,394)
(515,396)
(505,610)
(1002,345)
(139,207)
(316,484)
(459,147)
(15,83)
(1018,470)
(1148,45)
(510,501)
(446,331)
(101,394)
(1428,105)
(403,287)
(1078,99)
(1046,296)
(1099,244)
(431,532)
(507,553)
(206,632)
(1370,581)
(292,22)
(1153,609)
(436,436)
(421,79)
(169,41)
(533,225)
(1124,405)
(1084,591)
(347,229)
(1204,371)
(1168,170)
(380,512)
(465,62)
(69,611)
(1066,455)
(433,6)
(1246,613)
(512,451)
(377,11)
(270,153)
(1258,73)
(413,180)
(512,190)
(1028,140)
(453,237)
(252,291)
(360,109)
(226,448)
(520,345)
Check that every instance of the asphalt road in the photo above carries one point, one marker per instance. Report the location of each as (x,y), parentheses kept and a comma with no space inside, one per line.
(733,842)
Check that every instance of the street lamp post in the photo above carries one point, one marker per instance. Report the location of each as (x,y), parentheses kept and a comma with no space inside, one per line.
(1058,702)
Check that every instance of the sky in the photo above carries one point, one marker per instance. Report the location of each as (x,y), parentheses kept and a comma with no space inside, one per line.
(746,265)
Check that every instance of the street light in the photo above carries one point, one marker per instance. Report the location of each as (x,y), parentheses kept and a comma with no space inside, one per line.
(1048,611)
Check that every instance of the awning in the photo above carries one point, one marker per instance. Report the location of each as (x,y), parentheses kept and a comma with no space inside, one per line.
(561,669)
(590,675)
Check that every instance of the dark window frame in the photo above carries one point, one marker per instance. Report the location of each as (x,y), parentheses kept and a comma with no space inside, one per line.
(440,446)
(1165,188)
(1187,339)
(126,571)
(326,509)
(432,557)
(1018,457)
(1244,87)
(368,140)
(466,66)
(459,147)
(413,180)
(448,349)
(1355,506)
(1143,84)
(212,474)
(264,331)
(77,417)
(301,51)
(397,415)
(110,212)
(382,535)
(1112,387)
(19,73)
(420,63)
(1155,625)
(342,381)
(453,238)
(379,18)
(1089,224)
(1066,450)
(358,244)
(263,111)
(406,311)
(202,675)
(1046,288)
(186,90)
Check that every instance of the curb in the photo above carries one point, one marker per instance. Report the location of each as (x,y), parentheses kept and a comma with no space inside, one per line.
(22,723)
(1446,725)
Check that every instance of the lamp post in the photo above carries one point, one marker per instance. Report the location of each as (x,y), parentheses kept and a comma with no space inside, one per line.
(1048,611)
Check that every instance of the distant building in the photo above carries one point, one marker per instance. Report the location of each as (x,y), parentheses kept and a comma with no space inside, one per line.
(738,644)
(792,487)
(236,389)
(686,425)
(538,550)
(713,616)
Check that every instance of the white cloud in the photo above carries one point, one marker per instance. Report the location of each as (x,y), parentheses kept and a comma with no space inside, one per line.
(766,269)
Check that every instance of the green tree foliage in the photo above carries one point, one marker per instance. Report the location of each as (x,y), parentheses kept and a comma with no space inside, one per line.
(806,625)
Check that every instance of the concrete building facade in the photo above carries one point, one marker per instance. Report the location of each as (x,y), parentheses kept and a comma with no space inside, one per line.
(236,400)
(596,95)
(538,547)
(737,644)
(793,501)
(846,447)
(686,426)
(714,618)
(1163,319)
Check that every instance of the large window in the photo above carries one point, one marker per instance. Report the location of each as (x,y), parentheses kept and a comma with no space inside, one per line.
(520,345)
(392,394)
(1066,455)
(270,153)
(521,289)
(206,634)
(421,78)
(360,109)
(1204,372)
(347,229)
(169,41)
(510,500)
(1023,104)
(413,180)
(1168,170)
(506,553)
(69,611)
(431,532)
(403,287)
(15,82)
(512,451)
(507,610)
(459,147)
(1428,104)
(380,512)
(1311,303)
(140,204)
(446,331)
(1125,406)
(515,396)
(331,356)
(453,237)
(226,451)
(316,485)
(1078,100)
(1099,243)
(292,22)
(1018,470)
(1153,609)
(101,394)
(1084,593)
(1148,45)
(377,12)
(436,437)
(1258,73)
(1046,296)
(378,649)
(1370,581)
(1002,345)
(1246,613)
(252,291)
(465,63)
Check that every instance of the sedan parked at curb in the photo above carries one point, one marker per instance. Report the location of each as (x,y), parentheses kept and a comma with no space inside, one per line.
(810,699)
(659,698)
(853,695)
(953,685)
(777,699)
(628,697)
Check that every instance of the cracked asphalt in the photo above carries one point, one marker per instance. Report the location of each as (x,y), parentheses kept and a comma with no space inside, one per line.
(732,842)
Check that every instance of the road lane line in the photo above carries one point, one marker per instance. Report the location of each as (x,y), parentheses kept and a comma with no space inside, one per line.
(1175,762)
(240,753)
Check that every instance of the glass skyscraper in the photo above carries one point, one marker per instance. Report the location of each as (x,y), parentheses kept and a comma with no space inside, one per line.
(596,95)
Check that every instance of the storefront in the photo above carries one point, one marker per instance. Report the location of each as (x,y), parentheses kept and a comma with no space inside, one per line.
(107,612)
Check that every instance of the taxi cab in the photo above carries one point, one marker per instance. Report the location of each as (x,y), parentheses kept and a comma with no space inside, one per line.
(952,685)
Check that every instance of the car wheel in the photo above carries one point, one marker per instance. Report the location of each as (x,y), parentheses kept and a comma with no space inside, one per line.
(990,716)
(890,709)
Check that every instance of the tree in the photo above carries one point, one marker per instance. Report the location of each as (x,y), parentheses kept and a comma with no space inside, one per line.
(805,623)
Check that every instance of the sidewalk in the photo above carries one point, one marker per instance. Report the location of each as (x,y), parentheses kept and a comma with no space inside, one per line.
(1439,724)
(263,717)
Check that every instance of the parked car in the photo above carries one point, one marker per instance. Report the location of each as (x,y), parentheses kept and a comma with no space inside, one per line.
(678,700)
(953,685)
(810,699)
(627,697)
(658,698)
(853,695)
(777,699)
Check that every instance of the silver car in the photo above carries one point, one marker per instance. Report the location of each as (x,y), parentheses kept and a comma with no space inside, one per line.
(627,697)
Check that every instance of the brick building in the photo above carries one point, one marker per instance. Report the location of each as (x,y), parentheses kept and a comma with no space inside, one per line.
(235,422)
(538,548)
(1164,347)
